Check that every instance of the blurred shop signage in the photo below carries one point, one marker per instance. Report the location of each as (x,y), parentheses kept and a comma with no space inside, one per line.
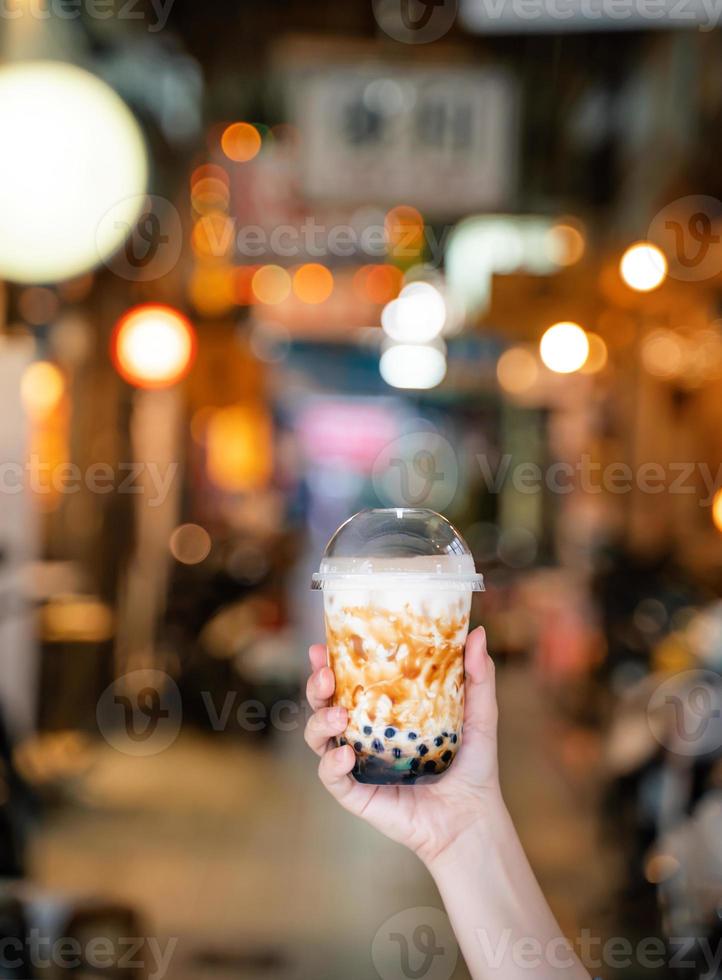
(555,16)
(441,138)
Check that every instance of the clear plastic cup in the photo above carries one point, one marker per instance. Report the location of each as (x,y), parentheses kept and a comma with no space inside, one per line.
(397,587)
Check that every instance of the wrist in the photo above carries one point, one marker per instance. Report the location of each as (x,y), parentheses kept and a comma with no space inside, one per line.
(485,823)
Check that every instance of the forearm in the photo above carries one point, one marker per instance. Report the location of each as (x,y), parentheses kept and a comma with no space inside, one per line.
(502,921)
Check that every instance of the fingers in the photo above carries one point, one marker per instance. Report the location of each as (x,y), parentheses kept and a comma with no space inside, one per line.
(322,726)
(334,770)
(321,685)
(318,656)
(480,712)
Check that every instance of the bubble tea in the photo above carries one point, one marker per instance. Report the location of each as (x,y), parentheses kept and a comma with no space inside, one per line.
(397,588)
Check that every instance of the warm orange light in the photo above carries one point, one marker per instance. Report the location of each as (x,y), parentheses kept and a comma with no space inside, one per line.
(238,448)
(717,510)
(598,355)
(212,236)
(271,284)
(313,283)
(42,388)
(404,227)
(378,283)
(241,142)
(244,284)
(643,267)
(565,243)
(209,171)
(211,289)
(190,544)
(517,370)
(153,346)
(210,194)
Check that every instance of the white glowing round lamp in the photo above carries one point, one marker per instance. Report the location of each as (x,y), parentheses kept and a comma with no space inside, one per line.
(153,346)
(71,152)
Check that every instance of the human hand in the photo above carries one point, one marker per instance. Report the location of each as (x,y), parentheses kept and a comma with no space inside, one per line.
(424,817)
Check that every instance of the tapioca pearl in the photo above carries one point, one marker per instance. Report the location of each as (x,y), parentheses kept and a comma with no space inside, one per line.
(397,753)
(377,745)
(358,746)
(390,732)
(342,741)
(423,750)
(454,739)
(414,764)
(412,736)
(445,734)
(439,740)
(447,756)
(367,729)
(430,766)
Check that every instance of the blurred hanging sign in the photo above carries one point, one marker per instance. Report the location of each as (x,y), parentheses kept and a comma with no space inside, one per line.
(558,16)
(441,138)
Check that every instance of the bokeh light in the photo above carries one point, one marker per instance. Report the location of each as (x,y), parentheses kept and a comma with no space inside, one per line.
(190,544)
(212,289)
(313,283)
(643,267)
(417,316)
(378,283)
(663,353)
(38,305)
(566,244)
(564,347)
(42,388)
(517,370)
(404,227)
(72,153)
(241,142)
(212,236)
(271,284)
(153,346)
(598,354)
(717,510)
(413,366)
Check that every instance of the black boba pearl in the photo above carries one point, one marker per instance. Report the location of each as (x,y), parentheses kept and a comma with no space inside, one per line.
(397,753)
(358,746)
(446,757)
(342,741)
(367,729)
(423,750)
(439,740)
(377,746)
(413,736)
(390,732)
(454,739)
(430,766)
(414,765)
(445,734)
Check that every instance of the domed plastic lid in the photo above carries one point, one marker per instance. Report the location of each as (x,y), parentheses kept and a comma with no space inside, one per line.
(399,543)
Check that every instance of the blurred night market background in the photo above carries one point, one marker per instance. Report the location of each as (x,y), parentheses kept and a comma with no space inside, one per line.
(263,265)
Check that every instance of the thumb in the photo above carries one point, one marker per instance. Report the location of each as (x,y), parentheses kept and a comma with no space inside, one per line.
(480,713)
